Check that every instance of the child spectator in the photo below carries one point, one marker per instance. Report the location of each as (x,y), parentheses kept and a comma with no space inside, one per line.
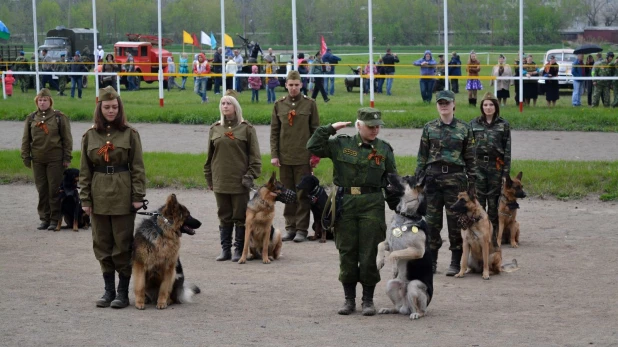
(271,82)
(8,82)
(255,83)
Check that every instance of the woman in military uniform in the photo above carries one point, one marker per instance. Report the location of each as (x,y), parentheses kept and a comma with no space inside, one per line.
(46,147)
(112,181)
(492,136)
(360,167)
(233,158)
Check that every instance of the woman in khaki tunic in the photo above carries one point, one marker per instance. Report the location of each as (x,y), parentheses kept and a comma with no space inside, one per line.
(112,182)
(46,148)
(233,163)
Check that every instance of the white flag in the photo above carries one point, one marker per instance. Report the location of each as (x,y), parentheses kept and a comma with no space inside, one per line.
(205,39)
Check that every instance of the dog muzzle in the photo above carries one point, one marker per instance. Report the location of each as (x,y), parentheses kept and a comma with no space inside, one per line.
(286,196)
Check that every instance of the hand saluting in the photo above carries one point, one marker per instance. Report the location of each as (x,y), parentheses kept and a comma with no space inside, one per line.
(340,125)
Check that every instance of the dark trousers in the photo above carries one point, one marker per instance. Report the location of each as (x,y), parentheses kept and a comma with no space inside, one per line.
(76,81)
(296,215)
(426,89)
(47,179)
(455,85)
(47,79)
(232,209)
(319,87)
(217,85)
(112,242)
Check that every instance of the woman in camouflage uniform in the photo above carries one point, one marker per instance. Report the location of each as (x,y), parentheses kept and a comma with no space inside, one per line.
(492,136)
(233,158)
(46,148)
(112,181)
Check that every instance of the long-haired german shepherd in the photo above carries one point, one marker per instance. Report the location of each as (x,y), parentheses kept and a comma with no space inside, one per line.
(156,265)
(70,203)
(260,238)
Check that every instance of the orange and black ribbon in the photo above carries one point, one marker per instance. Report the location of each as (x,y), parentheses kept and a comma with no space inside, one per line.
(375,156)
(104,151)
(230,135)
(43,127)
(499,163)
(291,116)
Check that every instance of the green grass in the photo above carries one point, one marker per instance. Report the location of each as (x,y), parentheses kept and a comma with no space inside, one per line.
(559,179)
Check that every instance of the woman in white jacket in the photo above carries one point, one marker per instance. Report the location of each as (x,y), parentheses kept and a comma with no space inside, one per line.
(502,70)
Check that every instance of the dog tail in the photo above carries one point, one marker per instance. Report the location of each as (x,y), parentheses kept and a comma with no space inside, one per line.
(188,291)
(510,267)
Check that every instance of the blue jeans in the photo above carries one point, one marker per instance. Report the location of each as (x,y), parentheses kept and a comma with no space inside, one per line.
(380,85)
(238,84)
(184,81)
(578,90)
(200,88)
(389,83)
(426,89)
(255,95)
(271,94)
(76,81)
(329,86)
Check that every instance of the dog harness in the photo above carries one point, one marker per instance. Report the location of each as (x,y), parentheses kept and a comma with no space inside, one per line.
(315,193)
(512,205)
(464,221)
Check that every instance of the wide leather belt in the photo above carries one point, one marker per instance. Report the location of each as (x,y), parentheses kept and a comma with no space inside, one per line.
(487,158)
(361,190)
(110,170)
(436,169)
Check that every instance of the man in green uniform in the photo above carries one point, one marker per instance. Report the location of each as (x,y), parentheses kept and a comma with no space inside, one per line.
(21,64)
(601,87)
(294,119)
(446,161)
(61,67)
(360,167)
(615,82)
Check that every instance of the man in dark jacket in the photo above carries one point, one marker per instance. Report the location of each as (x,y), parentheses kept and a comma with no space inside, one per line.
(389,60)
(332,60)
(454,69)
(77,80)
(217,68)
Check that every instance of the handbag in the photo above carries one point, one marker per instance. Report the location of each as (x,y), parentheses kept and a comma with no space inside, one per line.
(273,82)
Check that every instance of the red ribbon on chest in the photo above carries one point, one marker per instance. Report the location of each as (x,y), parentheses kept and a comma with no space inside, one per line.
(104,150)
(43,127)
(375,156)
(230,135)
(291,116)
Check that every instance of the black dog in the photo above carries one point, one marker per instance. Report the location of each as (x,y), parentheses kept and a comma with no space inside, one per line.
(70,203)
(318,197)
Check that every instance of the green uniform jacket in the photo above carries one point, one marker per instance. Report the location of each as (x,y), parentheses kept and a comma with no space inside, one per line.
(287,143)
(493,140)
(230,159)
(46,148)
(447,144)
(603,69)
(351,164)
(112,194)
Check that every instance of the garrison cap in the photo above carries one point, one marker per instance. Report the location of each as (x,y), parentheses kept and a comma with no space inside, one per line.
(107,94)
(293,75)
(489,96)
(232,93)
(44,92)
(370,116)
(445,95)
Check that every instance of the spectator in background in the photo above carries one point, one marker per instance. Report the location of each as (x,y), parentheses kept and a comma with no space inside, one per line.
(367,79)
(389,60)
(109,66)
(99,53)
(230,71)
(183,68)
(21,64)
(502,70)
(201,69)
(271,82)
(531,87)
(330,60)
(255,83)
(171,69)
(8,82)
(381,79)
(271,55)
(217,67)
(428,70)
(578,85)
(303,69)
(239,61)
(550,71)
(454,69)
(473,84)
(47,66)
(317,68)
(77,80)
(439,83)
(588,73)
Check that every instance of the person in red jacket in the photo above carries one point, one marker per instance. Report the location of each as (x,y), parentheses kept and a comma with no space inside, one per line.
(255,83)
(8,82)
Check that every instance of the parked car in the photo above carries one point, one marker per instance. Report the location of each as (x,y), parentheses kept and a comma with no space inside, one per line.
(565,59)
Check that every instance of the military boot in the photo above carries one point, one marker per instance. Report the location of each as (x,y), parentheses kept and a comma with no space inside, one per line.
(349,290)
(226,243)
(368,308)
(434,260)
(239,243)
(43,226)
(110,290)
(455,266)
(300,236)
(289,235)
(122,294)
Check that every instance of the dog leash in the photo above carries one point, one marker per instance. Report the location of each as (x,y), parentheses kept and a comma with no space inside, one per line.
(154,214)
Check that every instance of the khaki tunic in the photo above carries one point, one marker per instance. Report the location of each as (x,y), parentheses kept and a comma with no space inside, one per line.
(112,194)
(230,159)
(54,146)
(288,142)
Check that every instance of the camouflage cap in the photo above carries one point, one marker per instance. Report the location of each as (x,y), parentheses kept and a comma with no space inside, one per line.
(107,94)
(445,95)
(232,93)
(44,92)
(370,116)
(293,75)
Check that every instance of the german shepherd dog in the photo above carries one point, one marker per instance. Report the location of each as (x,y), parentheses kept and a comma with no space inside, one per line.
(411,289)
(508,226)
(318,197)
(156,264)
(261,239)
(70,203)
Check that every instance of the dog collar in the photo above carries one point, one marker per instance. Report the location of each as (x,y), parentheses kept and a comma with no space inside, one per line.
(408,223)
(512,205)
(155,214)
(315,193)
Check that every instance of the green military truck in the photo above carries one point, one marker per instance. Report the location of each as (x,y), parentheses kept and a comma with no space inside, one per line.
(67,41)
(8,54)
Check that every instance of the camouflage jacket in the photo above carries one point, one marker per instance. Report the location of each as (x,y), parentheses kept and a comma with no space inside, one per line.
(603,69)
(21,64)
(447,144)
(492,143)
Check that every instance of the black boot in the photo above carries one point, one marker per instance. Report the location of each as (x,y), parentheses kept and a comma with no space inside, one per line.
(226,243)
(474,102)
(349,290)
(110,290)
(239,243)
(470,101)
(368,308)
(434,260)
(122,294)
(455,266)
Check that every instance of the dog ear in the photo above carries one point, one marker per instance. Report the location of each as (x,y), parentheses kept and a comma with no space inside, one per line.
(519,175)
(472,192)
(273,178)
(507,181)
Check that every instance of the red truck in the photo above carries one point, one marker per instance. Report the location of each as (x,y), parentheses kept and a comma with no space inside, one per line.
(145,57)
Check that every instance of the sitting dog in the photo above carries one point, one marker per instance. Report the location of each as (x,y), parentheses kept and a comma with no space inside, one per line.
(156,265)
(411,288)
(70,203)
(318,197)
(261,239)
(508,226)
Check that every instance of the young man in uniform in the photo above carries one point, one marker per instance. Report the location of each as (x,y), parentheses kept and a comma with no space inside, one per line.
(446,161)
(360,167)
(294,119)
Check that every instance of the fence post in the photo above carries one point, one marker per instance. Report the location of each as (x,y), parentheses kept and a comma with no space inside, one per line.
(361,89)
(3,87)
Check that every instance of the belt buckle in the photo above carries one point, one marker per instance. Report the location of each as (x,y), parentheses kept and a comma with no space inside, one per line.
(444,169)
(486,158)
(355,190)
(107,170)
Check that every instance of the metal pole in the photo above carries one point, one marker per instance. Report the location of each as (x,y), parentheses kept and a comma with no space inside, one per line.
(294,35)
(160,54)
(370,15)
(36,47)
(4,87)
(223,62)
(96,63)
(446,81)
(521,53)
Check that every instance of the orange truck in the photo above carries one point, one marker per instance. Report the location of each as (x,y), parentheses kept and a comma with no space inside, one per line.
(145,59)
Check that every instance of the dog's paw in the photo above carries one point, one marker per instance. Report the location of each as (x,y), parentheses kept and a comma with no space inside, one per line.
(514,245)
(322,241)
(415,315)
(161,305)
(266,260)
(384,310)
(485,276)
(380,263)
(461,274)
(242,260)
(140,306)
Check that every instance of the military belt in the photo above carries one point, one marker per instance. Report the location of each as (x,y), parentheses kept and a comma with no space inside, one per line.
(110,170)
(435,169)
(361,190)
(488,158)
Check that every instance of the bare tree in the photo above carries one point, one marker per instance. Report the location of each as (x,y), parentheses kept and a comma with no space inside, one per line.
(593,9)
(610,15)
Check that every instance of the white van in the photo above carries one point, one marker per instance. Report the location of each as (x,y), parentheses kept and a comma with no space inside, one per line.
(565,59)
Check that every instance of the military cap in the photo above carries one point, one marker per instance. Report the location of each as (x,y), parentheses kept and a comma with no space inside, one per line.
(489,96)
(21,53)
(370,116)
(610,54)
(44,92)
(232,93)
(293,75)
(445,95)
(107,94)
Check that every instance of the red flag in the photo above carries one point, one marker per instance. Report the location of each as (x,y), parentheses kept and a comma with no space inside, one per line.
(196,43)
(323,48)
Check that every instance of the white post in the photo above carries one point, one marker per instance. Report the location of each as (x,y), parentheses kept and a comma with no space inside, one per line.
(294,36)
(4,86)
(223,62)
(446,81)
(118,83)
(160,54)
(521,53)
(36,47)
(362,85)
(94,49)
(370,16)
